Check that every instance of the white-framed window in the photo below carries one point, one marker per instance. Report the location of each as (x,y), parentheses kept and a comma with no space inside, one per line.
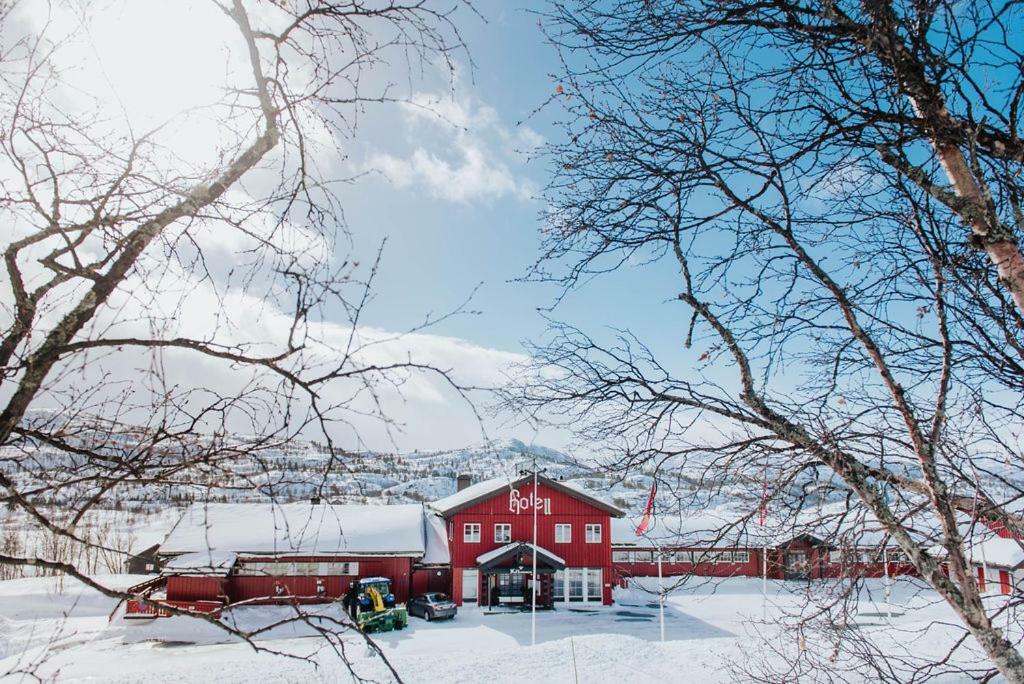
(502,533)
(563,533)
(740,556)
(897,556)
(593,531)
(723,556)
(682,557)
(339,568)
(643,557)
(471,533)
(621,557)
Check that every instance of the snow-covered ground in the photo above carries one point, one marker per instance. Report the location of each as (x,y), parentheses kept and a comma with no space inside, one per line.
(64,634)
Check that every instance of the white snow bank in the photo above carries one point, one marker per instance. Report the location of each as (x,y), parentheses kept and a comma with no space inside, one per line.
(289,622)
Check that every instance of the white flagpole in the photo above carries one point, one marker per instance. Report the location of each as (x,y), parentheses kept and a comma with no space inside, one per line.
(764,580)
(533,579)
(888,582)
(661,595)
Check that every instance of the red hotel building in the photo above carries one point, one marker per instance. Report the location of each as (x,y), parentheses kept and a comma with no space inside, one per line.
(477,544)
(490,533)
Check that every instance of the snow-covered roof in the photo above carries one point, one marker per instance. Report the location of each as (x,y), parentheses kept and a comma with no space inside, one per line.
(984,547)
(834,526)
(488,488)
(211,535)
(202,562)
(435,534)
(473,492)
(705,529)
(485,558)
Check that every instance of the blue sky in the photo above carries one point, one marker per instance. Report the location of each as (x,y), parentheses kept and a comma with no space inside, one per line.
(440,248)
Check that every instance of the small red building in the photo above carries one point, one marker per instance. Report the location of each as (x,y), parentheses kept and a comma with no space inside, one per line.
(490,534)
(220,554)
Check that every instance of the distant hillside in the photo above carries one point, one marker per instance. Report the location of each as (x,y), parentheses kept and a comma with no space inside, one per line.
(304,469)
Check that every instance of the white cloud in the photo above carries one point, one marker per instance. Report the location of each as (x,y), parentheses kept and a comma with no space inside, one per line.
(421,408)
(463,151)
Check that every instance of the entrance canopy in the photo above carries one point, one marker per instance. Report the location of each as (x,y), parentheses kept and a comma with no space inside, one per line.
(519,555)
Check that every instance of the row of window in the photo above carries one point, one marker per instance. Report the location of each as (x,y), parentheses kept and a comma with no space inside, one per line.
(850,556)
(681,557)
(847,556)
(294,569)
(471,533)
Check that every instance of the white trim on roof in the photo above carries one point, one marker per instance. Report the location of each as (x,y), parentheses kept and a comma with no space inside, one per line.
(539,550)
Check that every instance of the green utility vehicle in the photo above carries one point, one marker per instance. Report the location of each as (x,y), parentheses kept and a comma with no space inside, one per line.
(371,604)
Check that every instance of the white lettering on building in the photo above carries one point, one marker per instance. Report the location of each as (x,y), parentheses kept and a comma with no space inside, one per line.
(517,503)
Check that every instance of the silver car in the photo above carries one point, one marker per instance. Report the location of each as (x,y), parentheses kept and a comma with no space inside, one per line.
(432,606)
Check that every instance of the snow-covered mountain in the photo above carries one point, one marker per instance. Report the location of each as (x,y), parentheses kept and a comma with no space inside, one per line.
(301,470)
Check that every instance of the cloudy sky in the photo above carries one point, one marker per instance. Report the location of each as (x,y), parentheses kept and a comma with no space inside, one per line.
(450,180)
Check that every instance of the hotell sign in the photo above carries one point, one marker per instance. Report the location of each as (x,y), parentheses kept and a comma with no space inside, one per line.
(517,503)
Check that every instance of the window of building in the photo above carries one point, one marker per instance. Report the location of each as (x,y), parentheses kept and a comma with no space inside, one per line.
(593,533)
(502,533)
(558,586)
(682,557)
(594,588)
(897,556)
(575,589)
(621,557)
(339,568)
(740,556)
(643,557)
(868,555)
(723,556)
(563,533)
(471,533)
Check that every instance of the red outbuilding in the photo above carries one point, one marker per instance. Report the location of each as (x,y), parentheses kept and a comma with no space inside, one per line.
(220,554)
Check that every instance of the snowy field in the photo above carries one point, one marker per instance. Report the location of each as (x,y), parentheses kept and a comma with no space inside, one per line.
(65,634)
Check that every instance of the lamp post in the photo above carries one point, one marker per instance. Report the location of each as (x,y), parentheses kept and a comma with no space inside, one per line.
(533,576)
(535,503)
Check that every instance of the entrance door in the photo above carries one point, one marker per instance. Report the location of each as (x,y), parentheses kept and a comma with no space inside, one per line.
(797,566)
(470,585)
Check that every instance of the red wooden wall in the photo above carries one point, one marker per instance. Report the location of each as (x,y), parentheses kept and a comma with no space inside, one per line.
(195,588)
(398,569)
(431,579)
(246,587)
(752,568)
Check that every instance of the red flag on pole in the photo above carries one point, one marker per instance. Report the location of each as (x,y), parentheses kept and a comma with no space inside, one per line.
(763,513)
(646,521)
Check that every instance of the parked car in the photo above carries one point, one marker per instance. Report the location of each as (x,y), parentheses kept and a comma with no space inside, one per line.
(432,606)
